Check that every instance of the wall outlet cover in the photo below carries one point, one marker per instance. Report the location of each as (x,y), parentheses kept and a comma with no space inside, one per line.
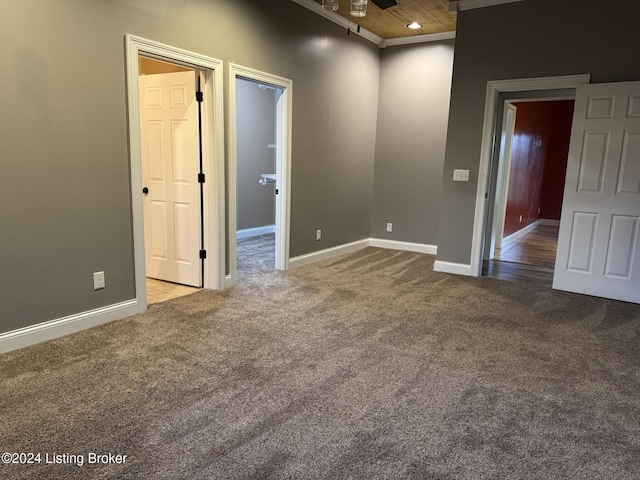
(460,175)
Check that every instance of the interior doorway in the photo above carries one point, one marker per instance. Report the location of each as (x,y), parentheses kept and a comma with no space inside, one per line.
(210,179)
(527,183)
(257,172)
(259,177)
(171,146)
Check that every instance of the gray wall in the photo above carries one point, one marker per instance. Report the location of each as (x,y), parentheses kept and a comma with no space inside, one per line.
(415,84)
(64,166)
(520,40)
(256,129)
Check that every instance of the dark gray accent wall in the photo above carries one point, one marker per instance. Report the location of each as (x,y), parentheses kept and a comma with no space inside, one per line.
(521,40)
(255,131)
(413,109)
(64,166)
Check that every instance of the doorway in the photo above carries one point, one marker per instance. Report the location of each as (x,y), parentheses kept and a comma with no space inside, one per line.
(171,146)
(259,172)
(532,150)
(210,180)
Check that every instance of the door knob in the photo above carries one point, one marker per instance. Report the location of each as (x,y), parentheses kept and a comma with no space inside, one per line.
(145,190)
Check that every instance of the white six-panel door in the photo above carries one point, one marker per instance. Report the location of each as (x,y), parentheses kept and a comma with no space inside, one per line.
(170,166)
(598,246)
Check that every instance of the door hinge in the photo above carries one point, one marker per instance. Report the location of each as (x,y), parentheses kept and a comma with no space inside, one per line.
(199,97)
(203,254)
(201,178)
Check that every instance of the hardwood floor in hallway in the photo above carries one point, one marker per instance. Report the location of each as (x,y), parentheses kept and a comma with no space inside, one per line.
(530,258)
(537,247)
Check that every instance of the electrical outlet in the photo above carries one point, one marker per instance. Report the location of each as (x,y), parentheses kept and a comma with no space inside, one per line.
(461,175)
(98,281)
(318,234)
(389,227)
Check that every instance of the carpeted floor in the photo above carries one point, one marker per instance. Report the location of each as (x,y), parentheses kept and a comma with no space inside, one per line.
(368,366)
(255,254)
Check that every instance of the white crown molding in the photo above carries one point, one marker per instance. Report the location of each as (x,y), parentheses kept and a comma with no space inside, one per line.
(372,37)
(462,5)
(433,37)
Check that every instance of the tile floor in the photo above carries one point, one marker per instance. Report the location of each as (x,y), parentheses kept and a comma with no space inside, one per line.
(159,291)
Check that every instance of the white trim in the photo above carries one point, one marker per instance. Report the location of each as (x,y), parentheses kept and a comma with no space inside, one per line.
(340,20)
(454,268)
(372,37)
(432,37)
(529,228)
(359,245)
(329,253)
(408,246)
(213,157)
(41,332)
(462,5)
(284,122)
(255,231)
(520,233)
(494,88)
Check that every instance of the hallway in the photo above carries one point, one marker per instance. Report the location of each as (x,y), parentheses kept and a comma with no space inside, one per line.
(530,258)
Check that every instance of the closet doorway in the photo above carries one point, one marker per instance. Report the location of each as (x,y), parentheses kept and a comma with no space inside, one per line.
(198,219)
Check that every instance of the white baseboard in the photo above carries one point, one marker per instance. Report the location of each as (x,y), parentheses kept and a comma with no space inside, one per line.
(255,232)
(24,337)
(328,253)
(455,268)
(519,233)
(529,228)
(408,246)
(63,326)
(360,244)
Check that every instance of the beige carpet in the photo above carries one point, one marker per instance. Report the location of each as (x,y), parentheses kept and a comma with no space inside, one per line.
(369,366)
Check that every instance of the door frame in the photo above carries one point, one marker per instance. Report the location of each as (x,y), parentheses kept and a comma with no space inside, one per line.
(504,171)
(284,115)
(212,150)
(489,133)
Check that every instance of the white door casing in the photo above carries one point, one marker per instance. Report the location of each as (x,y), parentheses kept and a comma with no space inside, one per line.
(284,122)
(170,167)
(598,247)
(504,168)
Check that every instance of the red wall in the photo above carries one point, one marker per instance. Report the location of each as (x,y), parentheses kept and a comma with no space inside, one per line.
(538,162)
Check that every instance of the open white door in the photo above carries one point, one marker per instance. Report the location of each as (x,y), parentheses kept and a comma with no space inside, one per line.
(598,248)
(170,150)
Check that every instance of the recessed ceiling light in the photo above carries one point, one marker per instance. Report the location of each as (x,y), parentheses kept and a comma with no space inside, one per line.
(414,26)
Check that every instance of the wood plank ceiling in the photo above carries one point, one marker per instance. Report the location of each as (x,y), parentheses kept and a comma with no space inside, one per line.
(433,15)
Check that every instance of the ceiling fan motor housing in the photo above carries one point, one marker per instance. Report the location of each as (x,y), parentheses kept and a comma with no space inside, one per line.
(384,4)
